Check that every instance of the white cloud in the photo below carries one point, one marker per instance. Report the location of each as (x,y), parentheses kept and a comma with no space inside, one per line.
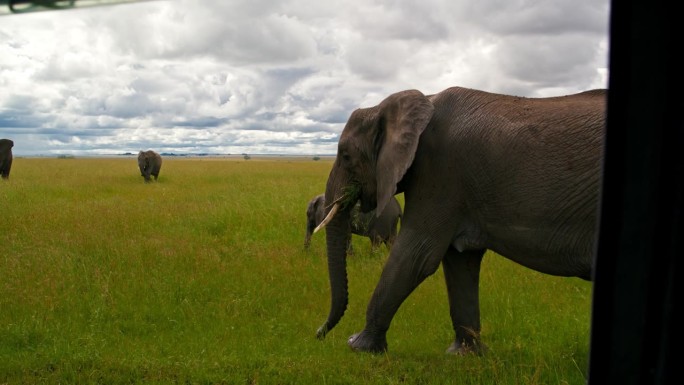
(276,77)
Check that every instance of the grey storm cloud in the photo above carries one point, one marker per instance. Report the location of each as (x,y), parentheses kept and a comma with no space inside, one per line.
(275,77)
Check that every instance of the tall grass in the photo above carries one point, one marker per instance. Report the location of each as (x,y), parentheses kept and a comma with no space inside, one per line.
(202,278)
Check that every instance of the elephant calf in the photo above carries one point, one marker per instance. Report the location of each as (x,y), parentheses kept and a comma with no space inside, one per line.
(379,229)
(150,163)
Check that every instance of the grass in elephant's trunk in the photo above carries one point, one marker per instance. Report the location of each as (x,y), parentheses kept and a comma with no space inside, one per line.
(350,195)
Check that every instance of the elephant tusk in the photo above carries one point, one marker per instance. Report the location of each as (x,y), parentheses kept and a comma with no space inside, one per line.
(328,218)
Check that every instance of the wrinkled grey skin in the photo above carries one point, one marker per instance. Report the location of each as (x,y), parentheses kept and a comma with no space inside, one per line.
(378,228)
(519,176)
(5,157)
(149,163)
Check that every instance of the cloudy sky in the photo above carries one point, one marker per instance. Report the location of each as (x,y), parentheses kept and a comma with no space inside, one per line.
(272,77)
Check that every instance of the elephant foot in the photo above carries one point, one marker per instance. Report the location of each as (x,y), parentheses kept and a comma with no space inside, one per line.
(461,348)
(367,342)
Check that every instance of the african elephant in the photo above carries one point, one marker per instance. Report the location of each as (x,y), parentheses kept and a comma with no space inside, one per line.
(150,163)
(379,229)
(519,176)
(5,157)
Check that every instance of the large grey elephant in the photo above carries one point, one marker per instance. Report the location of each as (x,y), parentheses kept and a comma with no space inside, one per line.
(378,228)
(5,157)
(519,176)
(149,163)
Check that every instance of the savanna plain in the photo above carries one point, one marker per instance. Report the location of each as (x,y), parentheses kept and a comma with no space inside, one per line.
(202,278)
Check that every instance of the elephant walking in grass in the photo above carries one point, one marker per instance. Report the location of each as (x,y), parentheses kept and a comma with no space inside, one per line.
(378,228)
(5,157)
(149,163)
(519,176)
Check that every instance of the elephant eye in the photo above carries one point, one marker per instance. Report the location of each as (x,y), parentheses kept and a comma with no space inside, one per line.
(345,153)
(346,158)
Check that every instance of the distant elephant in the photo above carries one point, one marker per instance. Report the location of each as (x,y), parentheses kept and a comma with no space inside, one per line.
(5,157)
(379,229)
(150,163)
(519,176)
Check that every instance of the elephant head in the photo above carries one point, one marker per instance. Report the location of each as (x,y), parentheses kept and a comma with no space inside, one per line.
(375,149)
(5,157)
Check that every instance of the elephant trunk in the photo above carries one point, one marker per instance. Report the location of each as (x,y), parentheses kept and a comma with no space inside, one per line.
(337,237)
(341,195)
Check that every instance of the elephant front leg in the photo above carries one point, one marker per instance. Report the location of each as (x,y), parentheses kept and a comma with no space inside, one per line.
(462,275)
(411,260)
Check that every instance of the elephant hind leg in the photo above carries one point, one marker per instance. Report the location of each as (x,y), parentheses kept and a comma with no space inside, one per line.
(376,240)
(375,243)
(462,275)
(387,241)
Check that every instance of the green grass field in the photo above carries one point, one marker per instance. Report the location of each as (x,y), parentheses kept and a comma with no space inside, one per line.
(202,278)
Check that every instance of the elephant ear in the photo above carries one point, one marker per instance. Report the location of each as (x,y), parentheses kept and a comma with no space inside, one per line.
(316,203)
(405,116)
